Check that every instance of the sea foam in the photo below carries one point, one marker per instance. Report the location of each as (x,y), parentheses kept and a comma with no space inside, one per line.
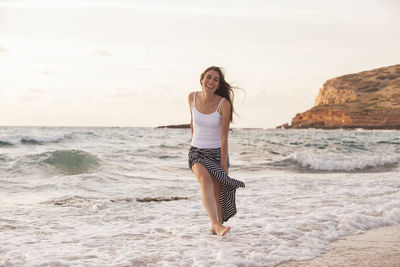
(321,162)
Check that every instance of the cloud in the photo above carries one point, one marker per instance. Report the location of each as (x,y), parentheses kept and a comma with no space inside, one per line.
(37,91)
(27,97)
(100,53)
(33,95)
(205,7)
(48,71)
(122,92)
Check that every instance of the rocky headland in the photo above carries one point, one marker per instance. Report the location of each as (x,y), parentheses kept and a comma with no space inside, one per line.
(368,99)
(177,126)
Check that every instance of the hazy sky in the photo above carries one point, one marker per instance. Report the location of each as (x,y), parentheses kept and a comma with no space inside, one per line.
(133,63)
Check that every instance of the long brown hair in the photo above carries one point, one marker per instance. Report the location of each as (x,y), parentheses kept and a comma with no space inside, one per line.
(224,89)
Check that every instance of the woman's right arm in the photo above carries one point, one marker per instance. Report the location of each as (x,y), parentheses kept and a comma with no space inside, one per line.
(190,100)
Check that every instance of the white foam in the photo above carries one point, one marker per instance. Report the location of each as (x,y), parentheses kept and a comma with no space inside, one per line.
(343,163)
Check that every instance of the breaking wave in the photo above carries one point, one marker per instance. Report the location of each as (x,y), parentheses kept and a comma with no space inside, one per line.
(4,143)
(70,161)
(318,162)
(29,140)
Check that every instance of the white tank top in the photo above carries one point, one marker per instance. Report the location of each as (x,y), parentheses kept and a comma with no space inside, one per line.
(206,127)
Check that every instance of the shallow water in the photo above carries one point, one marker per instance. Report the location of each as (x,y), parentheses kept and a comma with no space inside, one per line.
(71,196)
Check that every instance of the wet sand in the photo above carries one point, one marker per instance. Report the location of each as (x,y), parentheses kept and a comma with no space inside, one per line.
(376,247)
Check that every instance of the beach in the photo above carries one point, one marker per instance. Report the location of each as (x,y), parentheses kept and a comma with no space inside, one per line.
(116,197)
(376,247)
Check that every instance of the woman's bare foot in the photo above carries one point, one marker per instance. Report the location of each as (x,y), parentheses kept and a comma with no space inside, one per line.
(221,230)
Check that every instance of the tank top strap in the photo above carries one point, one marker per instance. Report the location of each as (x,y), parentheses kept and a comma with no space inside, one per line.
(194,98)
(220,103)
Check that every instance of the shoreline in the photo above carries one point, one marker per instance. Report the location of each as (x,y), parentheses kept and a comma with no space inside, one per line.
(375,247)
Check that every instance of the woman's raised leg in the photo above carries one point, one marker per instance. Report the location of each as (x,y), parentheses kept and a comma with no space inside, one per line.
(208,198)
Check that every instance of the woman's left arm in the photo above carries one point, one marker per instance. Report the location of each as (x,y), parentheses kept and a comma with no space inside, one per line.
(226,120)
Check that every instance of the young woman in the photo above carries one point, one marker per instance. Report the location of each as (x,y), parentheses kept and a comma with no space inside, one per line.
(211,113)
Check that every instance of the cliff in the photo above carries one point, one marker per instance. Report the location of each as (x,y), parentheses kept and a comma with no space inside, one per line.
(369,99)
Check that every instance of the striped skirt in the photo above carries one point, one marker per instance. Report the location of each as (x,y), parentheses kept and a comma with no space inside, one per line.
(211,158)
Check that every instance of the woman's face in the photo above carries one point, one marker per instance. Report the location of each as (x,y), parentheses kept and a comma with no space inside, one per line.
(210,81)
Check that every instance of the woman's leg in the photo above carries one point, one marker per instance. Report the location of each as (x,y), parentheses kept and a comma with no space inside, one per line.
(208,197)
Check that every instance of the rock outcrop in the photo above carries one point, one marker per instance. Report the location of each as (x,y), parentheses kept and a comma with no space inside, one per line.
(369,99)
(178,126)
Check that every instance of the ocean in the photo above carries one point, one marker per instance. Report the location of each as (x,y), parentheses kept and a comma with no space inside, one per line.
(82,196)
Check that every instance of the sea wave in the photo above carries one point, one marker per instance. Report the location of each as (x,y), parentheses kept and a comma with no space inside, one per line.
(29,140)
(70,161)
(318,162)
(5,143)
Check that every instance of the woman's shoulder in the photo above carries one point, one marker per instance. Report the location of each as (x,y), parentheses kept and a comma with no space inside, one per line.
(191,96)
(225,103)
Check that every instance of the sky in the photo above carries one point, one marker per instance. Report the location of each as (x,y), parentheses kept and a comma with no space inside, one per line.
(134,62)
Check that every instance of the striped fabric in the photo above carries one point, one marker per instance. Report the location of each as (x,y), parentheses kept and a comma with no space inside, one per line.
(211,158)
